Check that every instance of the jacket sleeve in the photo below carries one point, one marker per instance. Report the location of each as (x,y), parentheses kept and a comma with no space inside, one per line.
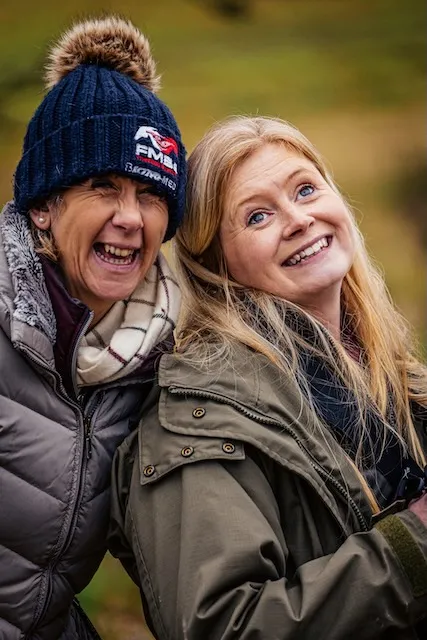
(211,563)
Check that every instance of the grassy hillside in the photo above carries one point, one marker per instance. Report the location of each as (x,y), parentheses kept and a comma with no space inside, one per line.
(351,75)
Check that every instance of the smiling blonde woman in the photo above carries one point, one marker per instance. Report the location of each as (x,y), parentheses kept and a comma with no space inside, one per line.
(275,489)
(87,303)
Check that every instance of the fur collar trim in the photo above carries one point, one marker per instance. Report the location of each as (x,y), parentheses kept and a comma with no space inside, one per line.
(31,302)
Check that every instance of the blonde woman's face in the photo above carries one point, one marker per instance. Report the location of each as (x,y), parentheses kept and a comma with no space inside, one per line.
(285,231)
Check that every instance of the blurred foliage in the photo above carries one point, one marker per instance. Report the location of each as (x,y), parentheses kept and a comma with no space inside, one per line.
(232,8)
(350,75)
(409,190)
(113,603)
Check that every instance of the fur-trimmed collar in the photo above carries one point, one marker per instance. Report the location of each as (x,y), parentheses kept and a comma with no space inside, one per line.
(28,295)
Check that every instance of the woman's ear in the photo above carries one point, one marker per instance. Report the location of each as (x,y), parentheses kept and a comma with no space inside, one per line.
(41,217)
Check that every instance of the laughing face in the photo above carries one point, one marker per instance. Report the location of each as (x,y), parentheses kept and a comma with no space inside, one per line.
(108,233)
(286,231)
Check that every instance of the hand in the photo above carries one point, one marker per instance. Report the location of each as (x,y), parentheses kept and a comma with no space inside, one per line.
(419,507)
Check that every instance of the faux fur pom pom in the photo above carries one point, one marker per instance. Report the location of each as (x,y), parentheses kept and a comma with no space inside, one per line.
(112,42)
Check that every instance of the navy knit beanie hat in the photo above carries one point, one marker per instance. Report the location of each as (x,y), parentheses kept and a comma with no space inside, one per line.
(101,115)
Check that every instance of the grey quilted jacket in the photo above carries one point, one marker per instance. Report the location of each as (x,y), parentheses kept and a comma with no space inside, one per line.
(55,457)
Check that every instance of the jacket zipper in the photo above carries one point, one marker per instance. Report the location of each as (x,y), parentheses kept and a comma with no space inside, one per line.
(86,453)
(88,423)
(43,600)
(43,597)
(272,422)
(74,357)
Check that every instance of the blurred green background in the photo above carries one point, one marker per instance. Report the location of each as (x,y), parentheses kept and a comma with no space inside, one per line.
(350,74)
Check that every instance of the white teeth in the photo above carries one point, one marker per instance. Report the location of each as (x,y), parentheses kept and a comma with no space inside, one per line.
(310,251)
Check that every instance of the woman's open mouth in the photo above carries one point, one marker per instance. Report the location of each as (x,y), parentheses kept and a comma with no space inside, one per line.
(309,252)
(115,255)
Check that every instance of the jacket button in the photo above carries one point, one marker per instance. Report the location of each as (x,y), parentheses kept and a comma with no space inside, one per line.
(228,447)
(148,470)
(199,412)
(186,452)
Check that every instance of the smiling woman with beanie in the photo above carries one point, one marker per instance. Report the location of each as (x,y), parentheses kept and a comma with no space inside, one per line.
(87,303)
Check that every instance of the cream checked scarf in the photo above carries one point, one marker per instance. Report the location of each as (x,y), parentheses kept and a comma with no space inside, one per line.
(121,341)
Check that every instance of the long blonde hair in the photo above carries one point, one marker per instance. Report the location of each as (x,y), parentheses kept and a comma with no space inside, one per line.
(215,307)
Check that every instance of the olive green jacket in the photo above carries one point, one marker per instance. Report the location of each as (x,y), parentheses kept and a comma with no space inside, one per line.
(240,517)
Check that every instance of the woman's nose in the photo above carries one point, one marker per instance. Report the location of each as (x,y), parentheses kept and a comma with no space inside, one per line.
(128,216)
(297,222)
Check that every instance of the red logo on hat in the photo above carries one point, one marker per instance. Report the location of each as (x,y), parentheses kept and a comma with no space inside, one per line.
(167,145)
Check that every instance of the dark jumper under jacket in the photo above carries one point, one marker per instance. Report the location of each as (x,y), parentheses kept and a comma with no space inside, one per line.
(241,518)
(55,448)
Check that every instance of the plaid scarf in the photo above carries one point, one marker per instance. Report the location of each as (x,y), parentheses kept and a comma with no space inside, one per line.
(123,339)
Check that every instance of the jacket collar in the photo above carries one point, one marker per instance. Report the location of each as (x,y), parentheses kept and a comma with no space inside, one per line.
(71,315)
(29,319)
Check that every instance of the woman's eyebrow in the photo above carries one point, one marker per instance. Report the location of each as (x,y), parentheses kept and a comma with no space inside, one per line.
(287,179)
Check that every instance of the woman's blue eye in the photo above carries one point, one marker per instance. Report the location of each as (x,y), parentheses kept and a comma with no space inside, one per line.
(306,190)
(256,217)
